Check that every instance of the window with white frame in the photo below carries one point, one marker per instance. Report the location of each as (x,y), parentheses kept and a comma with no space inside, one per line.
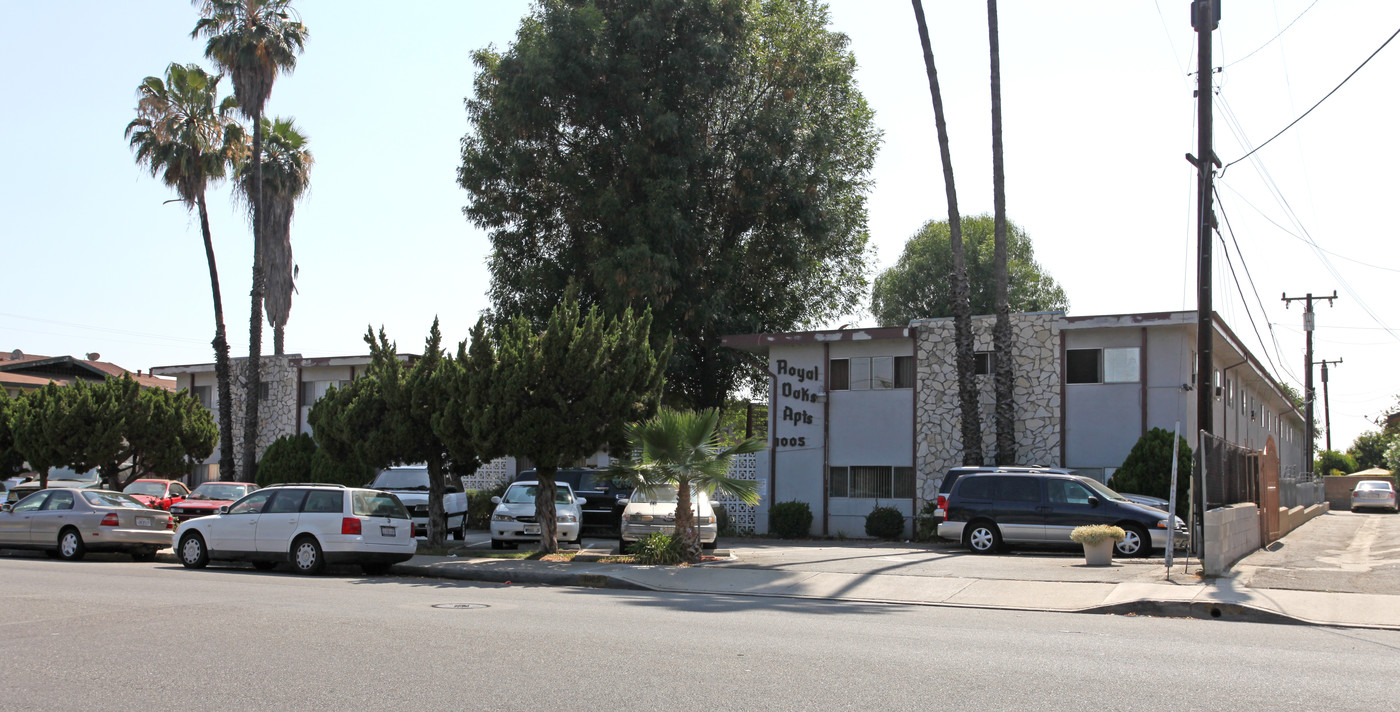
(872,482)
(872,373)
(203,394)
(1117,365)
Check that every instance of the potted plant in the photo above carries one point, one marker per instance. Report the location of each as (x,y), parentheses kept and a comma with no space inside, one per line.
(1098,541)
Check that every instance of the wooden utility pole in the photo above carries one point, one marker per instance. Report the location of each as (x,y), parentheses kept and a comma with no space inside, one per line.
(1308,395)
(1205,17)
(1326,407)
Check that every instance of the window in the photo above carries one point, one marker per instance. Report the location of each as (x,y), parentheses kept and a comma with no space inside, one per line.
(903,371)
(308,393)
(882,373)
(1122,365)
(860,374)
(252,504)
(264,391)
(203,394)
(976,487)
(1018,489)
(1217,383)
(1067,492)
(324,501)
(984,363)
(1082,366)
(840,374)
(872,482)
(60,499)
(286,501)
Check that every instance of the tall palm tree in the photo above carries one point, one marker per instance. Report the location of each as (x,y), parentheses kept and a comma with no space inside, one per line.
(184,134)
(252,40)
(1001,333)
(682,449)
(962,310)
(286,167)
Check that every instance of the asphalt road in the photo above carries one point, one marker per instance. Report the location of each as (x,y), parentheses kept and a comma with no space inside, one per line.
(1341,551)
(113,634)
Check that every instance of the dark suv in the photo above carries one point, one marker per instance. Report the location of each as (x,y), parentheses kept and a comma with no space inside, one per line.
(946,484)
(600,508)
(988,510)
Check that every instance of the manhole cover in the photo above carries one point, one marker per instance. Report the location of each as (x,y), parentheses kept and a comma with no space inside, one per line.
(460,606)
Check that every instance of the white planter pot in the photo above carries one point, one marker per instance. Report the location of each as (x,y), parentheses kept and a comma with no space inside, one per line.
(1100,554)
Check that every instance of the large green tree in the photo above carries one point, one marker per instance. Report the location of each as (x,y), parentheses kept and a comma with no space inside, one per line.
(917,285)
(183,133)
(556,395)
(682,449)
(43,429)
(286,176)
(1369,449)
(971,421)
(706,159)
(11,459)
(252,41)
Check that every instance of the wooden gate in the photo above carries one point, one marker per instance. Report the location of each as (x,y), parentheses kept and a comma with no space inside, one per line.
(1268,493)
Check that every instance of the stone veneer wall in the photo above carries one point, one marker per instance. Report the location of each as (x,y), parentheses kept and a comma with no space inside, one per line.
(938,418)
(277,416)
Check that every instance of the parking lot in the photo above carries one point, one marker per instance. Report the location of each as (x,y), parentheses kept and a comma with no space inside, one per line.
(1343,552)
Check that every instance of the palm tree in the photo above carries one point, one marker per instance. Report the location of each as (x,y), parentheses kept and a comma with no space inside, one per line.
(682,448)
(286,166)
(182,133)
(252,40)
(962,310)
(1001,333)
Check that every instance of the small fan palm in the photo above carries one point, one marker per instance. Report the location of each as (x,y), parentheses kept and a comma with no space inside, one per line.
(682,448)
(184,135)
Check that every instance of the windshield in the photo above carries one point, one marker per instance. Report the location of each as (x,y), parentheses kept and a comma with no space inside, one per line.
(1102,490)
(154,489)
(64,473)
(1373,485)
(402,479)
(210,490)
(525,494)
(102,498)
(378,504)
(661,494)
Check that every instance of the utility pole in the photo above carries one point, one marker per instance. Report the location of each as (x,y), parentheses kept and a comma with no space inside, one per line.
(1308,395)
(1326,407)
(1205,17)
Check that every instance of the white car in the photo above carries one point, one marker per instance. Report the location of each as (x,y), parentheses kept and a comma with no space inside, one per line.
(514,519)
(654,510)
(1374,493)
(307,525)
(410,485)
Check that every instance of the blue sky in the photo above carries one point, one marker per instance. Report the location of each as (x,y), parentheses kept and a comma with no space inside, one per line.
(1098,116)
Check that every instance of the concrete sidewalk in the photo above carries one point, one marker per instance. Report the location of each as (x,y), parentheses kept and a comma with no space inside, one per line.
(1183,596)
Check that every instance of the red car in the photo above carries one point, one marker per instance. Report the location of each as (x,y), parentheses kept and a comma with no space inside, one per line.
(157,494)
(208,497)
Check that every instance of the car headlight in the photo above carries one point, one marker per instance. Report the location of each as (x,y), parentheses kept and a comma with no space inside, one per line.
(566,519)
(639,518)
(704,520)
(502,518)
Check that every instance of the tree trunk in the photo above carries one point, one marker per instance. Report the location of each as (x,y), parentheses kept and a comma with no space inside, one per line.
(228,469)
(277,332)
(962,311)
(254,372)
(685,524)
(1001,333)
(437,515)
(544,509)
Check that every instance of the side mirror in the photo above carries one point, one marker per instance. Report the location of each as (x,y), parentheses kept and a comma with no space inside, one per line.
(1093,501)
(581,500)
(495,500)
(223,509)
(623,502)
(6,507)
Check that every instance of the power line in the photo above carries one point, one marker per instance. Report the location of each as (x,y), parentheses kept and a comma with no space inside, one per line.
(1263,347)
(1314,106)
(1271,39)
(1303,240)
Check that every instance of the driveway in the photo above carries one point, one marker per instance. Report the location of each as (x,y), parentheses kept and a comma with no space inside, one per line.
(1344,552)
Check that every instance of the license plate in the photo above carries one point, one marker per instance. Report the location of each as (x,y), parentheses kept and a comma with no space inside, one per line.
(387,531)
(143,521)
(532,530)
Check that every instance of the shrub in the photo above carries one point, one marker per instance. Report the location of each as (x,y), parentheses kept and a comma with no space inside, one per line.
(1096,533)
(790,520)
(287,459)
(1331,462)
(927,525)
(885,523)
(658,548)
(480,507)
(1148,468)
(722,522)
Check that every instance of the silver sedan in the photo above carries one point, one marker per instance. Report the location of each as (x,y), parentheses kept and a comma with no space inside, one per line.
(68,523)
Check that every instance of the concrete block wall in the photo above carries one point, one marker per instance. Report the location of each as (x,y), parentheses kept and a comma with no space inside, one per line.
(1290,518)
(1231,533)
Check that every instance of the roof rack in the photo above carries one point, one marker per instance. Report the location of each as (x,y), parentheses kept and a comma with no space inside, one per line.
(306,484)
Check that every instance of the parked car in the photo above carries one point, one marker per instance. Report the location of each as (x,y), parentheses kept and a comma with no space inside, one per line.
(308,525)
(69,522)
(652,510)
(1374,494)
(207,498)
(945,485)
(157,494)
(59,477)
(410,485)
(989,510)
(515,521)
(601,492)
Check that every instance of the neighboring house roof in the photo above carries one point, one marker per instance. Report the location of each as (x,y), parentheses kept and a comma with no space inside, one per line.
(30,371)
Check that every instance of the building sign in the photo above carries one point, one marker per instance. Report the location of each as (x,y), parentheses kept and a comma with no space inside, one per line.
(796,406)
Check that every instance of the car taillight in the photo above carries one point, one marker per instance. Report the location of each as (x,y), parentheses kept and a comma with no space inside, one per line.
(350,525)
(943,502)
(110,520)
(170,523)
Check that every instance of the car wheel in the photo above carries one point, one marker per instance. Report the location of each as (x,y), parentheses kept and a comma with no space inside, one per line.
(307,556)
(983,538)
(1135,542)
(264,565)
(193,553)
(70,545)
(144,554)
(378,569)
(497,544)
(621,546)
